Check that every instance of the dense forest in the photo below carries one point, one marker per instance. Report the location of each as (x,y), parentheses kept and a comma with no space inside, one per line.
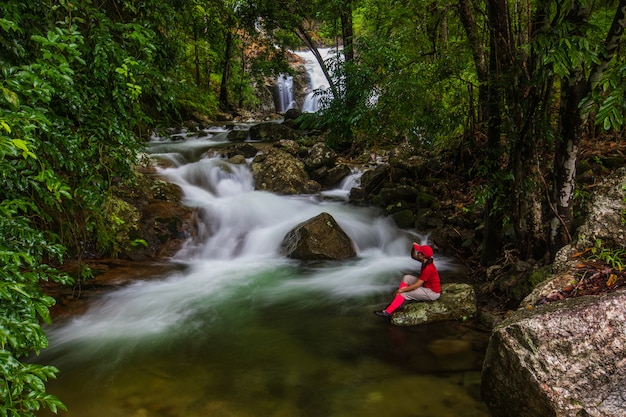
(511,87)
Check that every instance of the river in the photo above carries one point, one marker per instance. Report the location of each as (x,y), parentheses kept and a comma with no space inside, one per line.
(240,330)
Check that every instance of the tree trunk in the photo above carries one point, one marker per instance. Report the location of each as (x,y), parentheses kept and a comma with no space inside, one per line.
(196,53)
(224,100)
(499,39)
(524,97)
(347,31)
(304,36)
(480,60)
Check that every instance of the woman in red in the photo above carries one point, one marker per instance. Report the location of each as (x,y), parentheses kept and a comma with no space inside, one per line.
(426,287)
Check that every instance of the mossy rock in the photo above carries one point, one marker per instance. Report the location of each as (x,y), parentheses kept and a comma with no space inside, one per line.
(457,302)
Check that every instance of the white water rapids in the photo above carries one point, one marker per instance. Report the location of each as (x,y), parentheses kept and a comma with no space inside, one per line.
(241,330)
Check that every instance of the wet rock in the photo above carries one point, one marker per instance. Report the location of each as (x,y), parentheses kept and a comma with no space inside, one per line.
(393,193)
(335,175)
(320,155)
(562,359)
(372,181)
(162,223)
(237,159)
(319,238)
(272,132)
(457,302)
(237,135)
(404,219)
(279,172)
(245,149)
(292,114)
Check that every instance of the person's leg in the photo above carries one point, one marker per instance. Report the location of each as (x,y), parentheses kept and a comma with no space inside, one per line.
(398,299)
(408,280)
(421,294)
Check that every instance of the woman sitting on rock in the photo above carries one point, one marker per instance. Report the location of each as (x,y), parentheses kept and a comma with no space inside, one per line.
(426,287)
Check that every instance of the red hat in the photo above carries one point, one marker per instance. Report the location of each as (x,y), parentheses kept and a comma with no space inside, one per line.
(425,250)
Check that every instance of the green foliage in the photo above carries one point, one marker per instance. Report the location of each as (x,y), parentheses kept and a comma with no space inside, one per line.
(614,257)
(22,308)
(396,90)
(77,90)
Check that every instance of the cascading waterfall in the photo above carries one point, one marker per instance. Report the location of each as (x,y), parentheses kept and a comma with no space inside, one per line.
(318,84)
(242,330)
(285,94)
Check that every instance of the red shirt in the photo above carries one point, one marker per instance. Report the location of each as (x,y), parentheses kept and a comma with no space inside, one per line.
(430,276)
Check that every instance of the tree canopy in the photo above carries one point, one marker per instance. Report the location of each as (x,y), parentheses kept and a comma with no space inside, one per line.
(510,87)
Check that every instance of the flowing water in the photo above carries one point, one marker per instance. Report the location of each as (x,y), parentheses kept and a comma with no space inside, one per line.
(318,84)
(285,96)
(240,330)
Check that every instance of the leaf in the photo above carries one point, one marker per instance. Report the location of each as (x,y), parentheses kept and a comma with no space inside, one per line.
(612,279)
(11,97)
(5,126)
(23,146)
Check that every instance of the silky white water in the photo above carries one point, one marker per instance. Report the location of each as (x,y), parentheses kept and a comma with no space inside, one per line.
(241,330)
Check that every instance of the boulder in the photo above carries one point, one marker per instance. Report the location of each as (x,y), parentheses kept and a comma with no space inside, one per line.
(245,149)
(319,238)
(393,193)
(457,302)
(333,176)
(604,218)
(237,135)
(279,172)
(153,212)
(272,132)
(567,358)
(320,155)
(292,114)
(373,180)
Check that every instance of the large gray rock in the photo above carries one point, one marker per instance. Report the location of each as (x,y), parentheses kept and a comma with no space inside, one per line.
(279,172)
(564,359)
(320,155)
(319,238)
(457,301)
(604,219)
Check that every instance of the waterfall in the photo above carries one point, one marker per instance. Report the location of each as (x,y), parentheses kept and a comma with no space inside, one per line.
(318,82)
(285,96)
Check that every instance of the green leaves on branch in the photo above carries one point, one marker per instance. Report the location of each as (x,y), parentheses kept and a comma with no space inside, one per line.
(19,379)
(22,308)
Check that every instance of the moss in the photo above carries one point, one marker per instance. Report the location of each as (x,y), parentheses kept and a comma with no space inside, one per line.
(404,218)
(540,275)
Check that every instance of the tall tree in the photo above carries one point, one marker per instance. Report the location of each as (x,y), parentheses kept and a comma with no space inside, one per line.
(576,85)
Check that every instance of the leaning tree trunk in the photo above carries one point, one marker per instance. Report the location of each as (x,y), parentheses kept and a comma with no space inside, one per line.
(571,128)
(306,38)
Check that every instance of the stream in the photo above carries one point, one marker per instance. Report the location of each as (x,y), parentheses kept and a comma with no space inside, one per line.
(240,330)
